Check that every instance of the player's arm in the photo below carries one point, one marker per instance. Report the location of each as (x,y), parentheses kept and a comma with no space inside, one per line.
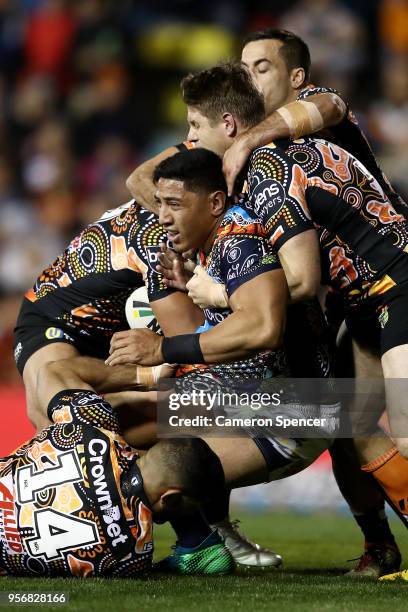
(277,194)
(174,311)
(140,182)
(176,314)
(254,325)
(300,258)
(296,119)
(84,373)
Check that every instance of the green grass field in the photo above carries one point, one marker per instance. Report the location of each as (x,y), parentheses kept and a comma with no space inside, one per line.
(315,551)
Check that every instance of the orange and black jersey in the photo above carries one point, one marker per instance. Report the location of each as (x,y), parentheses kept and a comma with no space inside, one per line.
(348,135)
(294,186)
(86,287)
(63,509)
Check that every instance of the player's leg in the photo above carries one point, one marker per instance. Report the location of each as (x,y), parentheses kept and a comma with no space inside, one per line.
(383,322)
(260,460)
(363,495)
(44,355)
(395,367)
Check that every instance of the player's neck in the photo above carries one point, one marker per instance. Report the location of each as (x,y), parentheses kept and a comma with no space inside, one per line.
(207,246)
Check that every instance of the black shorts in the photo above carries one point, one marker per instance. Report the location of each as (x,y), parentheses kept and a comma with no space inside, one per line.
(381,321)
(309,343)
(34,330)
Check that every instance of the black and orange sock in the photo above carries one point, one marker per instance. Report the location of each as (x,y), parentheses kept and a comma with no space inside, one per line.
(391,472)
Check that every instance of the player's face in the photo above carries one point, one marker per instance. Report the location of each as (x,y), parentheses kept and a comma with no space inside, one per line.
(205,133)
(269,71)
(185,215)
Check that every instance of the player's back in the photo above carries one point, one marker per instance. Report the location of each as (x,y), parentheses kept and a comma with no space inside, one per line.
(62,510)
(87,286)
(318,184)
(349,136)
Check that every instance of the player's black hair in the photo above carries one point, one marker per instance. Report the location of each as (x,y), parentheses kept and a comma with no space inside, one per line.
(199,169)
(294,50)
(197,469)
(226,88)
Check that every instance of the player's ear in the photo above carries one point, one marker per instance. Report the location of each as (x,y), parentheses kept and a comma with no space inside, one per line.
(217,201)
(297,77)
(230,125)
(171,500)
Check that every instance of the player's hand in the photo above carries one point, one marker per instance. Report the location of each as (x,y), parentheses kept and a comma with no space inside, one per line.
(174,268)
(204,291)
(135,346)
(234,160)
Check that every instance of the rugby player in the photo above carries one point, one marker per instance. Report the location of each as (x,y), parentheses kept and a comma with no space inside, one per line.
(280,64)
(298,187)
(77,500)
(377,530)
(235,344)
(78,303)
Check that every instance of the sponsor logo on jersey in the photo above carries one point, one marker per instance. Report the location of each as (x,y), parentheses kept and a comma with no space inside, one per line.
(268,194)
(152,253)
(54,333)
(104,489)
(9,532)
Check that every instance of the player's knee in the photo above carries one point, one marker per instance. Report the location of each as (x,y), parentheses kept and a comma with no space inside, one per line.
(402,446)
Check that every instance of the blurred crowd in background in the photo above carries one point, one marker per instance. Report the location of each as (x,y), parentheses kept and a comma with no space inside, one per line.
(90,88)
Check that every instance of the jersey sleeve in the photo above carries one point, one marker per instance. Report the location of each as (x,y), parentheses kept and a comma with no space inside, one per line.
(80,406)
(154,281)
(276,193)
(313,90)
(245,258)
(147,246)
(186,144)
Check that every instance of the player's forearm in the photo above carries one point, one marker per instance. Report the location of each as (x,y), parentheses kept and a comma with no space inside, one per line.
(241,335)
(296,119)
(142,188)
(140,182)
(272,128)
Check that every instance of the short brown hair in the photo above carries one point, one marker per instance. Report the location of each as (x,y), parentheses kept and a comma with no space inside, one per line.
(226,88)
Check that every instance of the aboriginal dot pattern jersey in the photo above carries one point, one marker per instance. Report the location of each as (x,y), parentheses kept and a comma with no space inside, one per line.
(240,252)
(294,186)
(62,511)
(86,287)
(348,135)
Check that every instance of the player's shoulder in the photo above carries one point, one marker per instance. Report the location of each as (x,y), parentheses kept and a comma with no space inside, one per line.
(271,153)
(312,90)
(239,223)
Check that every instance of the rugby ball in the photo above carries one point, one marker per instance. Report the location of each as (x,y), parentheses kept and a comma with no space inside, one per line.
(139,315)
